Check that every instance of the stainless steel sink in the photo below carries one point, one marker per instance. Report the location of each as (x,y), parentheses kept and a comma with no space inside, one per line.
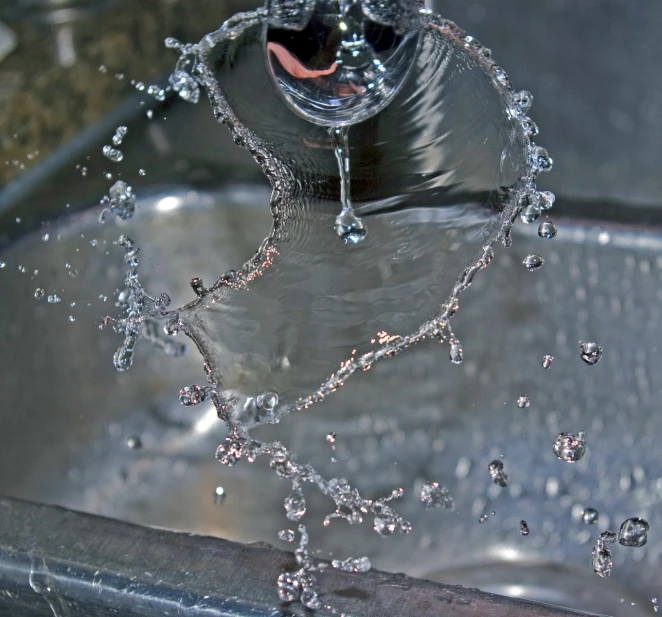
(76,433)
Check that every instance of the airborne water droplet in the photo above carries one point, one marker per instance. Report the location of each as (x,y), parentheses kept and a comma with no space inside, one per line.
(634,532)
(286,535)
(533,262)
(590,352)
(524,528)
(530,214)
(295,505)
(497,473)
(601,558)
(39,293)
(113,154)
(133,442)
(547,361)
(570,448)
(547,230)
(523,402)
(219,495)
(435,496)
(590,516)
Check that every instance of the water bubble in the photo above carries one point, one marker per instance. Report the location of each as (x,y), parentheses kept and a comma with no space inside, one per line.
(185,86)
(133,442)
(482,518)
(349,226)
(633,532)
(523,402)
(524,528)
(219,495)
(601,558)
(286,535)
(192,395)
(533,262)
(352,564)
(590,352)
(435,496)
(497,473)
(295,505)
(570,448)
(547,361)
(112,153)
(53,299)
(547,230)
(590,516)
(288,587)
(39,293)
(120,133)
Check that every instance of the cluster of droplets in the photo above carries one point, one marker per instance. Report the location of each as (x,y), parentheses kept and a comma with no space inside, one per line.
(434,496)
(633,533)
(497,473)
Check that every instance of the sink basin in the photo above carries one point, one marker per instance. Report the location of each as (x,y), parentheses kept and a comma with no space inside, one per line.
(75,433)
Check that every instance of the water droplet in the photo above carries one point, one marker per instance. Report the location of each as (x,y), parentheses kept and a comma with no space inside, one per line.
(524,528)
(295,505)
(112,153)
(523,100)
(120,200)
(150,114)
(157,92)
(2,265)
(46,237)
(540,159)
(547,230)
(310,599)
(288,587)
(590,352)
(350,227)
(456,352)
(133,442)
(267,401)
(547,361)
(192,395)
(435,496)
(384,526)
(633,532)
(523,402)
(219,495)
(533,262)
(120,133)
(142,172)
(185,86)
(590,516)
(286,535)
(497,473)
(482,518)
(331,438)
(570,448)
(39,293)
(601,559)
(72,318)
(22,269)
(54,299)
(352,564)
(529,214)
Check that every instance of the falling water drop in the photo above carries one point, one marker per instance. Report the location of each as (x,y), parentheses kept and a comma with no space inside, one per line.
(219,495)
(533,262)
(633,532)
(547,230)
(524,528)
(590,516)
(591,353)
(435,496)
(497,473)
(523,402)
(133,442)
(570,448)
(547,361)
(295,505)
(113,154)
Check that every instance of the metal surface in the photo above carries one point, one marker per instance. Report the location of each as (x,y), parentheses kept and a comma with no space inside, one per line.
(59,563)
